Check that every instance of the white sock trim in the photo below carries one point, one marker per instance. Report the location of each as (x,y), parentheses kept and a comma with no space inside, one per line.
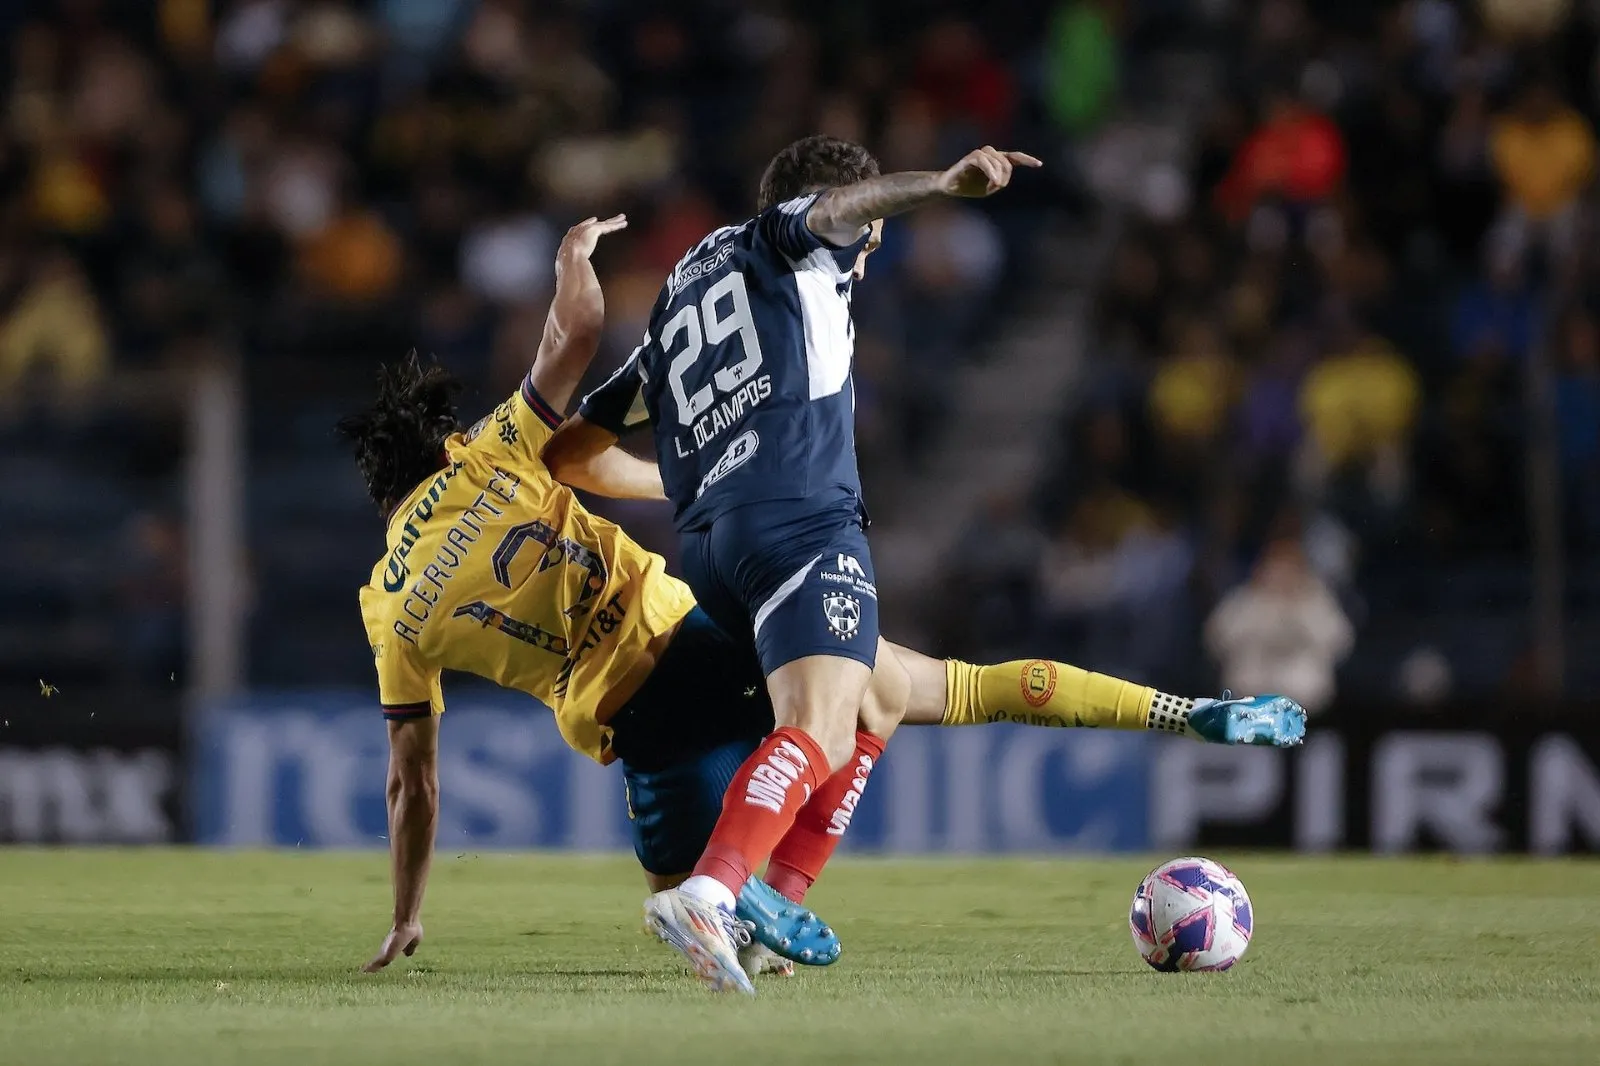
(710,890)
(1169,714)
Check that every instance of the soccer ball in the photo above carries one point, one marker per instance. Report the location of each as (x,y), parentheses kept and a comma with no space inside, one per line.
(1191,914)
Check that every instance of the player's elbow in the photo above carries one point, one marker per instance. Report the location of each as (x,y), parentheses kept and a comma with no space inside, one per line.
(571,452)
(825,224)
(561,454)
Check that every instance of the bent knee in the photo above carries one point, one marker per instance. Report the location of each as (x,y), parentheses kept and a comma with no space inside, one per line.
(888,694)
(834,733)
(821,696)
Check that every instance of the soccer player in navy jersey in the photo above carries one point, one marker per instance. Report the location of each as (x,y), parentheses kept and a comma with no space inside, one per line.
(745,375)
(634,672)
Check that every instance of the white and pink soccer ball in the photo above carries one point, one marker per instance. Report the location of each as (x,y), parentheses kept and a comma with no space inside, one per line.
(1191,914)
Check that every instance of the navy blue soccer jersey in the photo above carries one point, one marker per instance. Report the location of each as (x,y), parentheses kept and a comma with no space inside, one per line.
(744,372)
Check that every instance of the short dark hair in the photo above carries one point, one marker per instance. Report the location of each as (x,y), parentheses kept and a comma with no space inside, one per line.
(812,163)
(399,440)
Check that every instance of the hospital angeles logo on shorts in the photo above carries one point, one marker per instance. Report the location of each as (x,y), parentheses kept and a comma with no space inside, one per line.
(843,614)
(849,574)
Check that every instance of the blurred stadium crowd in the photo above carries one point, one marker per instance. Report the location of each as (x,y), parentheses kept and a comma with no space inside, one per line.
(314,186)
(1305,426)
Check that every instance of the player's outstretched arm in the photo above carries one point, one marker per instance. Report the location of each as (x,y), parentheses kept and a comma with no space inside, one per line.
(839,214)
(577,313)
(413,796)
(586,456)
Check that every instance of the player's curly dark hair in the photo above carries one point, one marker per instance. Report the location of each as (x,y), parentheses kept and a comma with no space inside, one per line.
(399,440)
(812,163)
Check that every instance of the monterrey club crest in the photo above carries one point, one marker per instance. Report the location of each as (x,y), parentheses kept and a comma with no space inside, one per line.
(843,614)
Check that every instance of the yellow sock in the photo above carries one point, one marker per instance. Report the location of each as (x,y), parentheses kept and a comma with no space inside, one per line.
(1044,693)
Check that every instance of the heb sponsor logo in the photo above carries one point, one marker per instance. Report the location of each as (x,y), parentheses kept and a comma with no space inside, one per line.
(740,451)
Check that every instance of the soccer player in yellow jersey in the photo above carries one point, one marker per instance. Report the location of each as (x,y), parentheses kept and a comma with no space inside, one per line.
(493,568)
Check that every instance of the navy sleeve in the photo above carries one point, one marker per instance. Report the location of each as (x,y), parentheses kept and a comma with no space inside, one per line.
(617,404)
(783,227)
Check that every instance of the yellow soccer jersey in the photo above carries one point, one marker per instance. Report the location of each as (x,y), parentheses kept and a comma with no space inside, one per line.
(495,569)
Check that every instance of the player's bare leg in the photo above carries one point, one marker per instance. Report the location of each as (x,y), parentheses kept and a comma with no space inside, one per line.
(815,699)
(822,822)
(888,695)
(916,689)
(767,905)
(821,695)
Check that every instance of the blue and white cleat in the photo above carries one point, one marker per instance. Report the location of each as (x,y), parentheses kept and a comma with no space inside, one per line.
(1264,721)
(705,934)
(785,927)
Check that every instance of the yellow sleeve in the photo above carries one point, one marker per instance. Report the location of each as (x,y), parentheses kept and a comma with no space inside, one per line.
(407,687)
(519,427)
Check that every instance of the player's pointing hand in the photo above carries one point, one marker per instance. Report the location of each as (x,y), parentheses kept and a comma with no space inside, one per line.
(984,172)
(403,939)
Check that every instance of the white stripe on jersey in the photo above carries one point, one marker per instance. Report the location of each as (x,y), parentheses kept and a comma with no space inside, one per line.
(638,413)
(825,317)
(781,593)
(799,204)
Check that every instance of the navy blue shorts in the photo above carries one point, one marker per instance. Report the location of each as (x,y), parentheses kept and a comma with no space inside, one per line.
(793,576)
(673,811)
(700,714)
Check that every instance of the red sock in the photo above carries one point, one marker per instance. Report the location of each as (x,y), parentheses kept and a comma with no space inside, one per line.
(798,859)
(760,805)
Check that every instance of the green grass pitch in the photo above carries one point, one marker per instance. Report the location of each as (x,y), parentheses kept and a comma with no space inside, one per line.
(177,957)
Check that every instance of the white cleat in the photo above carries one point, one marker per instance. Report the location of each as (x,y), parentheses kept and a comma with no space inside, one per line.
(758,959)
(705,934)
